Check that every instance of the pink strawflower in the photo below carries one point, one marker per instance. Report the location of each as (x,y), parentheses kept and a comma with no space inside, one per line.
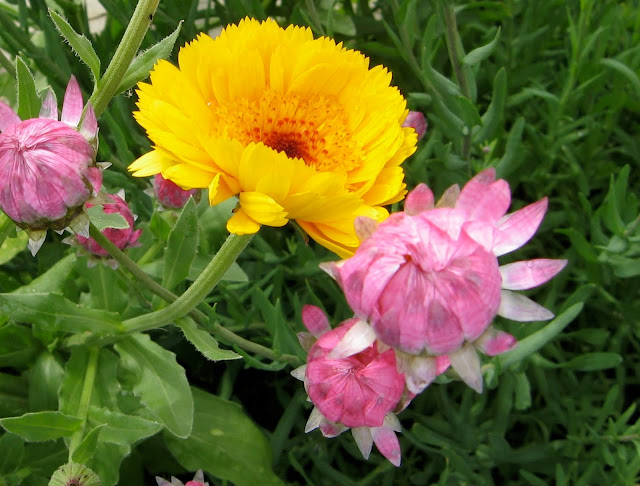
(351,390)
(47,166)
(418,122)
(429,283)
(170,195)
(122,238)
(198,480)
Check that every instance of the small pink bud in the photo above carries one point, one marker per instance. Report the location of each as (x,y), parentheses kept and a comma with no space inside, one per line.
(122,238)
(170,195)
(417,121)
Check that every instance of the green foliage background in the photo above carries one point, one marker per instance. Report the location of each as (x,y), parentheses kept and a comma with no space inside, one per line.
(546,92)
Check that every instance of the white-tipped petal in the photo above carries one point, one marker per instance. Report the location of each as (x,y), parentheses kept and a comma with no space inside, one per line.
(299,372)
(314,421)
(72,104)
(418,200)
(391,421)
(493,342)
(466,363)
(364,227)
(358,338)
(530,273)
(330,268)
(36,239)
(387,443)
(419,372)
(449,198)
(80,225)
(517,307)
(364,440)
(49,107)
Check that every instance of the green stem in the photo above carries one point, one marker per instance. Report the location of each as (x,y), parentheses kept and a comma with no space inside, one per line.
(200,317)
(85,399)
(127,49)
(456,54)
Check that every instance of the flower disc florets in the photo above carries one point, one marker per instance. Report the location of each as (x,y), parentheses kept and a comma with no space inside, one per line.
(298,128)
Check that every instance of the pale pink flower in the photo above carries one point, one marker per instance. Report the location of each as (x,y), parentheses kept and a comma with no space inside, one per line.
(170,195)
(198,480)
(121,237)
(351,390)
(417,121)
(47,166)
(429,283)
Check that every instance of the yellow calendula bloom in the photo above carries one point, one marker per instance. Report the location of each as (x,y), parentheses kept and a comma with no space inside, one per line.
(298,128)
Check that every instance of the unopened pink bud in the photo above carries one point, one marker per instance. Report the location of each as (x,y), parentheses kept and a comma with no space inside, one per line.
(170,195)
(417,121)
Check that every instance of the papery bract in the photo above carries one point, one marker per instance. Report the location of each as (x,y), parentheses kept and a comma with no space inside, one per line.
(418,122)
(170,195)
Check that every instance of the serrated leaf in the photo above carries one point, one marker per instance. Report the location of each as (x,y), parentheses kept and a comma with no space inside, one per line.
(162,383)
(79,43)
(42,426)
(87,448)
(492,118)
(181,246)
(204,342)
(103,220)
(481,53)
(120,428)
(28,101)
(225,443)
(58,313)
(142,64)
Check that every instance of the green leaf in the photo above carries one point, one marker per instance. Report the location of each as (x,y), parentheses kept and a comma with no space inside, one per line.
(11,452)
(51,280)
(103,220)
(492,119)
(53,310)
(625,70)
(142,64)
(181,246)
(7,227)
(44,382)
(284,339)
(42,426)
(468,112)
(87,448)
(120,428)
(12,246)
(79,43)
(513,154)
(593,362)
(17,346)
(106,462)
(481,53)
(225,443)
(204,342)
(28,101)
(162,383)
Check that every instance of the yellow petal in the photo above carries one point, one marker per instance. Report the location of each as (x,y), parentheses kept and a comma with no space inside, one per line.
(241,224)
(151,163)
(263,209)
(188,176)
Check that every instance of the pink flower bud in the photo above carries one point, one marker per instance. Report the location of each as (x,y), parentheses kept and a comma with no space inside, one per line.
(47,167)
(170,195)
(417,121)
(428,280)
(122,238)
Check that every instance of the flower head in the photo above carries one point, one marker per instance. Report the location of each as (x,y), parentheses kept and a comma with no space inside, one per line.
(429,283)
(418,122)
(120,237)
(47,166)
(73,474)
(171,196)
(351,390)
(298,128)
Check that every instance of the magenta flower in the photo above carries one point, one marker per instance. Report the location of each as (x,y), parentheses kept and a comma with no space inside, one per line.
(418,122)
(198,480)
(170,195)
(47,166)
(428,280)
(122,238)
(351,390)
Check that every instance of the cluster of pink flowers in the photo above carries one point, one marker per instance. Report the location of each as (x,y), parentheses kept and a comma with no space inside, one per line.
(425,286)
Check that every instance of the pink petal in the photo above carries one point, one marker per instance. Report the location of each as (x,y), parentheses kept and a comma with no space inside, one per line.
(442,364)
(494,342)
(387,443)
(72,104)
(330,430)
(530,273)
(449,197)
(418,200)
(484,198)
(364,227)
(419,371)
(364,440)
(8,117)
(315,320)
(49,107)
(357,339)
(467,364)
(89,126)
(517,307)
(95,177)
(515,229)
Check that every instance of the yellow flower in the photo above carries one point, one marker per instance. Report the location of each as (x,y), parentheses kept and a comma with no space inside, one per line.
(298,128)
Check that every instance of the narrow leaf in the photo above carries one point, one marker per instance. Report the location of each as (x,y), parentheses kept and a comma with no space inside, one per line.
(28,101)
(181,246)
(481,53)
(162,383)
(104,220)
(120,428)
(42,426)
(593,361)
(87,448)
(492,119)
(79,43)
(204,342)
(625,70)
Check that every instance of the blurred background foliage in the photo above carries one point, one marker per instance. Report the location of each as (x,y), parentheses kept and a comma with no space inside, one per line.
(548,93)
